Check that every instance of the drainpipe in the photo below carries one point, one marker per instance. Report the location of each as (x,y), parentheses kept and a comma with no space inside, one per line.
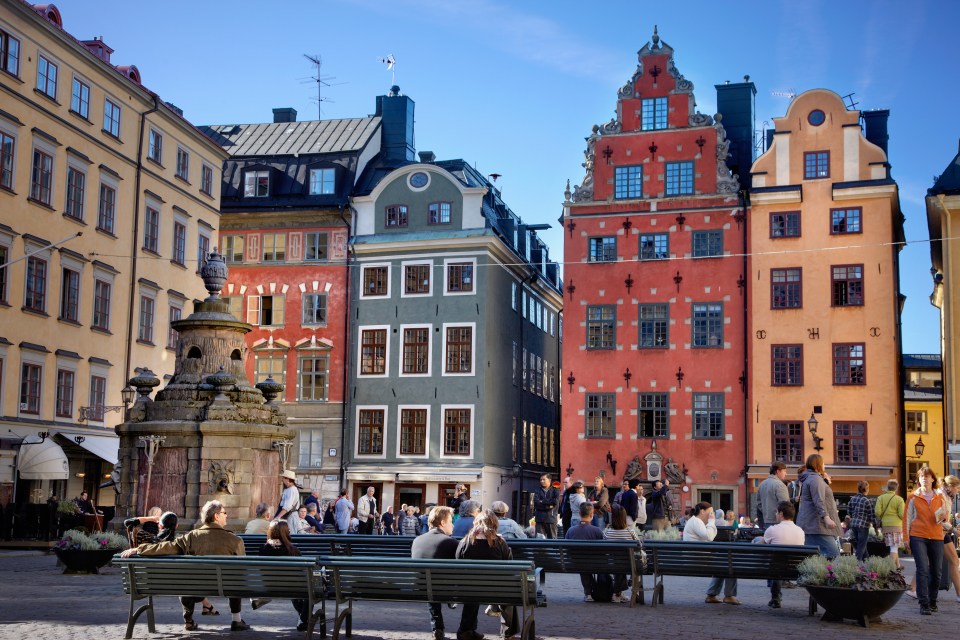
(136,234)
(346,347)
(743,197)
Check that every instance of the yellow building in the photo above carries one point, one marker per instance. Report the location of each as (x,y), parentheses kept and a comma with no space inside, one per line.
(924,440)
(108,196)
(824,297)
(943,222)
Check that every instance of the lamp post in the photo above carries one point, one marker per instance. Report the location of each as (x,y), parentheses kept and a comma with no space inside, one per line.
(812,426)
(127,394)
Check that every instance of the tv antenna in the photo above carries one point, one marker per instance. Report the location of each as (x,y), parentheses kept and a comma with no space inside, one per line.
(851,103)
(789,93)
(321,81)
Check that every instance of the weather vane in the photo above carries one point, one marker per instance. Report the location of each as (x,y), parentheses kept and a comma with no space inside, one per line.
(391,63)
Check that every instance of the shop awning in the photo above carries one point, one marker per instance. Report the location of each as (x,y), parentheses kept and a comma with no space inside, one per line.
(106,447)
(42,461)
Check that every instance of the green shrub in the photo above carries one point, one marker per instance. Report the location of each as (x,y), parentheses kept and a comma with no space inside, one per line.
(845,570)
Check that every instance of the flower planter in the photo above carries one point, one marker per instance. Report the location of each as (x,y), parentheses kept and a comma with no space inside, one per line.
(80,561)
(850,604)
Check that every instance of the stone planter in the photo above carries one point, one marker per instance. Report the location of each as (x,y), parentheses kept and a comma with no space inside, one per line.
(848,604)
(81,561)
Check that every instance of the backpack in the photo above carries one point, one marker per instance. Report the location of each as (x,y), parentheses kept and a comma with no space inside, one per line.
(642,511)
(602,588)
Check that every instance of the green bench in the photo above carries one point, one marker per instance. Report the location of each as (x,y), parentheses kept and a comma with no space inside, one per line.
(227,576)
(508,583)
(338,544)
(724,559)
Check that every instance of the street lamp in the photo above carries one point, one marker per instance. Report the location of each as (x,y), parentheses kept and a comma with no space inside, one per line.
(127,394)
(812,426)
(918,449)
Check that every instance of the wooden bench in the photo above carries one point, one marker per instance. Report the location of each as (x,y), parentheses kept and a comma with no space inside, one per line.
(507,583)
(338,544)
(724,559)
(227,576)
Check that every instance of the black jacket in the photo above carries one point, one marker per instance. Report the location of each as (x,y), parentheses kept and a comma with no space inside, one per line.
(545,502)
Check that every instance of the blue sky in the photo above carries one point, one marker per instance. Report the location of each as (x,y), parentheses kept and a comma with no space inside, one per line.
(515,87)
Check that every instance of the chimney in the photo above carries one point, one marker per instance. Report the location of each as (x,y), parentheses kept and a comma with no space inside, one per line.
(427,156)
(98,48)
(736,102)
(396,116)
(875,127)
(284,114)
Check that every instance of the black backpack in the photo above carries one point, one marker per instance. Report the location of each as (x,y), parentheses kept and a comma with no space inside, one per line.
(602,588)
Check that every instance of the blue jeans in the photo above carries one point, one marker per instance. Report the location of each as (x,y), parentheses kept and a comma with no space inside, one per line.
(729,587)
(860,536)
(826,544)
(928,556)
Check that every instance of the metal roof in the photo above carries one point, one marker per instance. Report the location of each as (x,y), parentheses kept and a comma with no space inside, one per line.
(288,138)
(921,360)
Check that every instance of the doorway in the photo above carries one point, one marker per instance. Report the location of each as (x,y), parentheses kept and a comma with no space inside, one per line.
(360,488)
(412,494)
(446,491)
(718,498)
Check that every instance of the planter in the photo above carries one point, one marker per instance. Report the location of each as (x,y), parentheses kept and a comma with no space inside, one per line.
(849,604)
(80,561)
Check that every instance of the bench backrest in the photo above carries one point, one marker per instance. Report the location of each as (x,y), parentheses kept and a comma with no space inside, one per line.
(509,582)
(271,577)
(338,544)
(727,559)
(579,556)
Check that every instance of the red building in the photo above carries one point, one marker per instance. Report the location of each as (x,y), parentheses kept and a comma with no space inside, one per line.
(654,317)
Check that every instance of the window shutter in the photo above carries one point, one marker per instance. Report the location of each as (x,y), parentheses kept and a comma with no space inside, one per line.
(253,310)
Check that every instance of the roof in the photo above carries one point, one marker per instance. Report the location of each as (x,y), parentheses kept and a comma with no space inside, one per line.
(928,394)
(289,138)
(921,361)
(949,181)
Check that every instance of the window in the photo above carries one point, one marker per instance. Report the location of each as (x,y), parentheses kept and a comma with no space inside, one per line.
(847,284)
(850,442)
(203,249)
(316,246)
(70,296)
(80,98)
(653,114)
(438,213)
(65,386)
(416,279)
(707,325)
(654,246)
(107,209)
(396,216)
(816,164)
(459,350)
(373,352)
(111,117)
(155,146)
(416,350)
(916,421)
(271,366)
(653,415)
(456,432)
(849,363)
(413,432)
(274,247)
(232,248)
(314,308)
(708,415)
(145,331)
(311,448)
(266,311)
(30,377)
(35,295)
(46,77)
(206,179)
(628,182)
(314,373)
(785,225)
(460,277)
(370,432)
(707,244)
(183,163)
(9,54)
(41,178)
(376,281)
(786,288)
(179,243)
(654,324)
(601,327)
(101,305)
(4,259)
(175,314)
(76,187)
(786,365)
(844,221)
(322,181)
(600,415)
(603,249)
(788,442)
(256,184)
(98,398)
(679,178)
(151,230)
(7,146)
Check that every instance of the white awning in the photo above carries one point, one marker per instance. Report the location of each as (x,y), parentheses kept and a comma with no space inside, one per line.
(42,461)
(106,447)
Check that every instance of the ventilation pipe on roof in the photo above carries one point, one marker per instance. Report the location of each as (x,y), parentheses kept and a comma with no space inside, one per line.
(285,114)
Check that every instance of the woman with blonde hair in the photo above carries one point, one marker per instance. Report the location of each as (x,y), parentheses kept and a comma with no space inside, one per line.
(484,543)
(818,515)
(926,523)
(889,510)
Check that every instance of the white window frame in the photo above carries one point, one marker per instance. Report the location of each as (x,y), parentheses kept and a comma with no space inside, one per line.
(108,278)
(255,174)
(386,356)
(426,442)
(446,275)
(111,182)
(371,265)
(150,293)
(356,431)
(172,303)
(430,354)
(303,298)
(473,349)
(48,149)
(11,132)
(473,430)
(403,278)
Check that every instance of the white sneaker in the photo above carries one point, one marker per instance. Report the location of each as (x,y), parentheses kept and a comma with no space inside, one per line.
(958,598)
(492,610)
(912,594)
(588,598)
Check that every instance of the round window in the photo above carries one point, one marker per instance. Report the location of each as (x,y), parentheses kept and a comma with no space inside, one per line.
(419,180)
(816,117)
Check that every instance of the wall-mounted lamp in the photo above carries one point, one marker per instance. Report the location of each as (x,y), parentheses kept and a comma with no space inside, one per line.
(628,282)
(81,475)
(571,380)
(627,375)
(679,376)
(612,462)
(677,279)
(570,469)
(812,426)
(571,288)
(918,449)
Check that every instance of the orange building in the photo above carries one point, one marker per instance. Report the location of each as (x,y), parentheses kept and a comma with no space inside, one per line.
(824,303)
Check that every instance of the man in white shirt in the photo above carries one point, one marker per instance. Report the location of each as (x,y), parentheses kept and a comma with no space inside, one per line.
(784,532)
(702,527)
(289,501)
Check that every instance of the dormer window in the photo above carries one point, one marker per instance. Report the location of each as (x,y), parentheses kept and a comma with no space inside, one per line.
(653,114)
(322,181)
(256,184)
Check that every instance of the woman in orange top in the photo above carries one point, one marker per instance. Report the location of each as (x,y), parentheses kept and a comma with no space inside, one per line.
(925,523)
